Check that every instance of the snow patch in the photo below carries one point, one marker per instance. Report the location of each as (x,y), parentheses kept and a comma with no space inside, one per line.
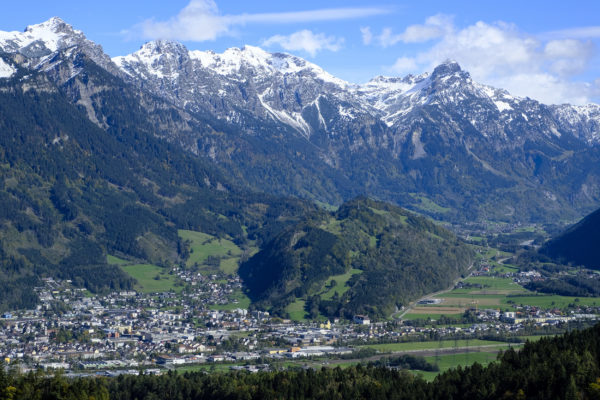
(293,119)
(6,70)
(345,112)
(321,119)
(502,105)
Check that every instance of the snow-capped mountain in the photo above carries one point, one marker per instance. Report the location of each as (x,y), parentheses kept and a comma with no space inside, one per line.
(493,112)
(276,86)
(289,89)
(39,43)
(284,124)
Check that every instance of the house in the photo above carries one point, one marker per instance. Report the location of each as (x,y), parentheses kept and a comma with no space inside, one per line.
(362,320)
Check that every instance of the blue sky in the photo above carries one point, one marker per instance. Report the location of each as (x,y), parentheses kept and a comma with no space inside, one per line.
(548,50)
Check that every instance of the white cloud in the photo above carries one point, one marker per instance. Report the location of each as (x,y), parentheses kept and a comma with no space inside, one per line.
(487,50)
(568,56)
(328,14)
(307,41)
(584,32)
(367,35)
(501,55)
(198,21)
(434,27)
(201,20)
(404,65)
(546,88)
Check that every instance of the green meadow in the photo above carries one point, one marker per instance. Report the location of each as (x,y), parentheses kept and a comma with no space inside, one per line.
(340,284)
(151,278)
(296,310)
(212,254)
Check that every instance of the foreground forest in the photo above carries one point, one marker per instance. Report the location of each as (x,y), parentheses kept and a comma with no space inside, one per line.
(564,367)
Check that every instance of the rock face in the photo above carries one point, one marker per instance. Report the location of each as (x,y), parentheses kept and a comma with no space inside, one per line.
(437,142)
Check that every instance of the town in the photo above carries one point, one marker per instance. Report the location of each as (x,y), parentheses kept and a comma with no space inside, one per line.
(131,332)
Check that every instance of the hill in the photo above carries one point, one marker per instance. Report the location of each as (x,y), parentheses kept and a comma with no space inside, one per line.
(386,255)
(579,244)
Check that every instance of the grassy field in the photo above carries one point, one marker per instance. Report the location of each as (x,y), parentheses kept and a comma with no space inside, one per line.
(448,361)
(116,260)
(504,268)
(475,238)
(490,283)
(439,309)
(151,278)
(332,226)
(209,367)
(443,344)
(203,246)
(433,316)
(326,206)
(340,284)
(296,310)
(427,204)
(237,300)
(468,301)
(550,301)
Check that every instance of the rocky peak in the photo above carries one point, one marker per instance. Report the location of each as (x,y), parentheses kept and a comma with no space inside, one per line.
(48,37)
(54,24)
(447,68)
(161,47)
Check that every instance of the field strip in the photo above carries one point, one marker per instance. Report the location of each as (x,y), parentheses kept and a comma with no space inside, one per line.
(458,350)
(438,310)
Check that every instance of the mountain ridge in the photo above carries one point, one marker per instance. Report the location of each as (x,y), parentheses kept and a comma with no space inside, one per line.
(280,122)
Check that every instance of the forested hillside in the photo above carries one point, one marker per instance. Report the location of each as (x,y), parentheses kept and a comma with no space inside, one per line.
(578,245)
(395,255)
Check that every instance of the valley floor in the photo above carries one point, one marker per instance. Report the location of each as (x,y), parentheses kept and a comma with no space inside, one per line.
(197,318)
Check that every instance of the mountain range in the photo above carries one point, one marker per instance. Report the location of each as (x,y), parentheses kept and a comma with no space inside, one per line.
(112,156)
(438,143)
